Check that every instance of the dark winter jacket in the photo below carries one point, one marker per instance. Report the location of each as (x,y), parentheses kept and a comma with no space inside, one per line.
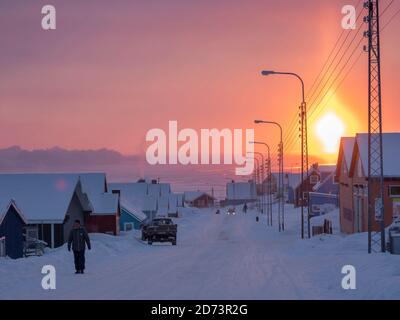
(78,237)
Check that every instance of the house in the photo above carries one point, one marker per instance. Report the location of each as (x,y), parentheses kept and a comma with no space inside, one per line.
(105,214)
(198,199)
(324,197)
(322,203)
(342,177)
(51,202)
(355,218)
(138,195)
(105,207)
(238,193)
(131,216)
(152,198)
(315,175)
(175,201)
(12,222)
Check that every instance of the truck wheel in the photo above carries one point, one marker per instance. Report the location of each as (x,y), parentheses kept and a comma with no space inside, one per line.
(174,242)
(150,242)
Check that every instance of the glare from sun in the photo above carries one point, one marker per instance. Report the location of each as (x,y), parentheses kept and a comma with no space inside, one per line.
(330,129)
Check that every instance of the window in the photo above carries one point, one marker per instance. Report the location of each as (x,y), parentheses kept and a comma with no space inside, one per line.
(32,233)
(359,168)
(314,179)
(315,208)
(394,191)
(128,226)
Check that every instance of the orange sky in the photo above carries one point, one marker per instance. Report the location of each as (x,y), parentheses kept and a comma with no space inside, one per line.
(108,74)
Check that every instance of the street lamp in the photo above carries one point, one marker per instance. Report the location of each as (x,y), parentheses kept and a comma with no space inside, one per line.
(256,171)
(269,176)
(304,146)
(262,178)
(271,72)
(281,211)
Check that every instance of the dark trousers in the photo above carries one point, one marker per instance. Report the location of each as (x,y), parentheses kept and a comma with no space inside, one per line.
(79,259)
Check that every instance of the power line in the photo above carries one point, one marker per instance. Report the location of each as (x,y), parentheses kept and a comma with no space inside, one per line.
(317,79)
(292,133)
(390,19)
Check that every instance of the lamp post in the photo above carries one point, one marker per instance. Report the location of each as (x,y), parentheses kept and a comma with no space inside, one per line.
(269,177)
(256,173)
(304,148)
(261,168)
(281,203)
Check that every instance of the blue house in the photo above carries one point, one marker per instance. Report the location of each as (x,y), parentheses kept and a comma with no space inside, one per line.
(327,184)
(324,197)
(12,223)
(322,203)
(131,217)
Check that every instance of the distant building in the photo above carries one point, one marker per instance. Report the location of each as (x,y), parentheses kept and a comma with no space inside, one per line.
(238,193)
(198,199)
(354,183)
(151,198)
(316,174)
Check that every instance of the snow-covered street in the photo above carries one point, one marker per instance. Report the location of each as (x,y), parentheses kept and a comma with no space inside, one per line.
(217,257)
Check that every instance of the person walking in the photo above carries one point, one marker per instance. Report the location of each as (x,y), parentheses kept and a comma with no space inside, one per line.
(79,239)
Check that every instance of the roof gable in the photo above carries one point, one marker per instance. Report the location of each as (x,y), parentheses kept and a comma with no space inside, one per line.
(391,154)
(5,207)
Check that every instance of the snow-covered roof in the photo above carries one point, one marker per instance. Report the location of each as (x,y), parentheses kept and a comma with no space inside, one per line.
(391,153)
(323,169)
(192,195)
(136,194)
(133,210)
(5,206)
(173,203)
(104,203)
(163,205)
(241,191)
(325,182)
(42,197)
(46,196)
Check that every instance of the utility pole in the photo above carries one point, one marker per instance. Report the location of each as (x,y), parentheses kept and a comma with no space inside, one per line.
(260,171)
(376,208)
(281,200)
(305,220)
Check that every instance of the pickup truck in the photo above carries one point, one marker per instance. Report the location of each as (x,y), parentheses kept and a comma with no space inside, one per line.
(159,230)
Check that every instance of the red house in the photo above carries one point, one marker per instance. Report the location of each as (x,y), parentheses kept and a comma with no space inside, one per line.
(315,174)
(198,199)
(105,211)
(345,185)
(354,184)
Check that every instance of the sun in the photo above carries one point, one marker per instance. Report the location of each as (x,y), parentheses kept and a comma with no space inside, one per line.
(330,129)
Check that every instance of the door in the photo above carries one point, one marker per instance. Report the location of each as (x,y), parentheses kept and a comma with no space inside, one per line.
(358,212)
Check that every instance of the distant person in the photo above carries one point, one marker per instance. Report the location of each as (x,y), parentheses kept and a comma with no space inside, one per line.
(245,208)
(79,238)
(217,212)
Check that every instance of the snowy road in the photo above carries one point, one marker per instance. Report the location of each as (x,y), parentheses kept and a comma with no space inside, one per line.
(217,257)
